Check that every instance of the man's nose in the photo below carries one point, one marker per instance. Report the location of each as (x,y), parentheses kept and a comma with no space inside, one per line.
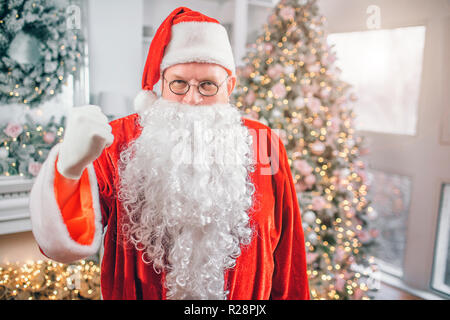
(192,96)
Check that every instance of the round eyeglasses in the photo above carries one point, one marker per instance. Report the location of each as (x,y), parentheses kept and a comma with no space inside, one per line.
(206,88)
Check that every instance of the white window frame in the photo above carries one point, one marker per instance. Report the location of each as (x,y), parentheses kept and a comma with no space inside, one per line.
(441,245)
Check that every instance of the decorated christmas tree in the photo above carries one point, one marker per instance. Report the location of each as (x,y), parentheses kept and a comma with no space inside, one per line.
(290,82)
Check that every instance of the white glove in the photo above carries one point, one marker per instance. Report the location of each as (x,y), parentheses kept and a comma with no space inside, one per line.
(87,134)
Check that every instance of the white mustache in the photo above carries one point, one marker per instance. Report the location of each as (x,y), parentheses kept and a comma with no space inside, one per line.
(202,145)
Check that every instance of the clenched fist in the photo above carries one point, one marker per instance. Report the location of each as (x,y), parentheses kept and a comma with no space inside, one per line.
(87,134)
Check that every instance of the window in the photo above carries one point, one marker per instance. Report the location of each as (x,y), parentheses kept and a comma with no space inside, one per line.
(390,195)
(441,265)
(385,68)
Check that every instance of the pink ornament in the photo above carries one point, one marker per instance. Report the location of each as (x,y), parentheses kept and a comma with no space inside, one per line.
(317,148)
(314,104)
(289,69)
(292,29)
(295,121)
(274,72)
(363,176)
(363,236)
(272,19)
(300,187)
(310,180)
(317,122)
(311,257)
(299,102)
(328,59)
(339,255)
(318,203)
(49,137)
(348,275)
(331,58)
(246,71)
(330,140)
(339,284)
(359,293)
(307,91)
(13,130)
(325,92)
(313,67)
(350,213)
(335,124)
(287,13)
(250,97)
(268,47)
(34,168)
(341,100)
(310,59)
(315,87)
(279,91)
(324,60)
(303,167)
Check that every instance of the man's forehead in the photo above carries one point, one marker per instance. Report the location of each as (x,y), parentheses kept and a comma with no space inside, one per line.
(196,70)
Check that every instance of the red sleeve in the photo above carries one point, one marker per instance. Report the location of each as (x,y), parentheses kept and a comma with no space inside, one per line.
(75,201)
(290,280)
(104,170)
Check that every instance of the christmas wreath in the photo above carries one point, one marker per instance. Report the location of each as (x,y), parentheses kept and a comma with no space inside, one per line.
(37,49)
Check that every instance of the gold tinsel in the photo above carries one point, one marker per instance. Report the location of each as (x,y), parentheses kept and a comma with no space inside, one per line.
(48,280)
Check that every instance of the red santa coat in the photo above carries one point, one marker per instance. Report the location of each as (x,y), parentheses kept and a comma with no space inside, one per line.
(273,266)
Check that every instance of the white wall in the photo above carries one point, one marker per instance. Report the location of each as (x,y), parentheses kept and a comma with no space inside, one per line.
(19,247)
(350,15)
(257,17)
(115,47)
(155,11)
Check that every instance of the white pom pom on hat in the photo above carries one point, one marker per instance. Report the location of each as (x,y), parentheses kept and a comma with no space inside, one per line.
(143,100)
(184,36)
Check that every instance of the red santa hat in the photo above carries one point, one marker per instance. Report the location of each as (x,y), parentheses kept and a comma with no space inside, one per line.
(184,36)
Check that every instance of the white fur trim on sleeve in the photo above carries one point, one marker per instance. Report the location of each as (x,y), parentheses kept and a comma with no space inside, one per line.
(47,222)
(199,42)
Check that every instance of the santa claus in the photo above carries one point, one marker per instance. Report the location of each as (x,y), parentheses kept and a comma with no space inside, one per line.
(198,202)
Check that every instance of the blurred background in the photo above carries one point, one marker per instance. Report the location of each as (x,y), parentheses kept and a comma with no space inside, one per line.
(359,91)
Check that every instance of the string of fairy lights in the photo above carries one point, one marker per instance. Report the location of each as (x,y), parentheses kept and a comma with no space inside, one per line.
(15,90)
(48,280)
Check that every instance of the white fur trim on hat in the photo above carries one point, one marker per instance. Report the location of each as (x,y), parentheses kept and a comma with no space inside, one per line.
(144,99)
(199,42)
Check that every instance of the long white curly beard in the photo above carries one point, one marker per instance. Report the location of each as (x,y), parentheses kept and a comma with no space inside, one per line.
(186,190)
